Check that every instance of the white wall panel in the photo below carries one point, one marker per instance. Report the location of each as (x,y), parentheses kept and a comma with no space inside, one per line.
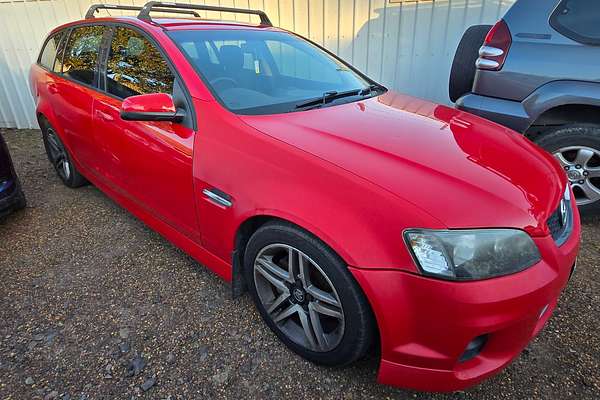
(408,46)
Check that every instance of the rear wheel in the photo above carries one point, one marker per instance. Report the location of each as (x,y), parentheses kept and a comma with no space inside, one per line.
(577,149)
(463,70)
(307,296)
(59,157)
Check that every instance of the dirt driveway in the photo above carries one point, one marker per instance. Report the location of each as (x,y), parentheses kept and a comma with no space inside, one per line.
(94,305)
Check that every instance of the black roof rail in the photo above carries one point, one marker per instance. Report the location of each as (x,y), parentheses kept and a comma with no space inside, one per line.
(161,6)
(96,7)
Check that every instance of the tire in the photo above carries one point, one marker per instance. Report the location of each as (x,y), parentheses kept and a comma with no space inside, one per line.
(462,74)
(348,338)
(579,145)
(21,202)
(60,158)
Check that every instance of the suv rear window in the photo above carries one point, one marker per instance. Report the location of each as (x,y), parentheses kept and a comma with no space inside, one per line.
(578,20)
(50,49)
(81,54)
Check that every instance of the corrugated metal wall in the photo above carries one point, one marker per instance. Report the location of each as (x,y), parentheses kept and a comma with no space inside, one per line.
(406,45)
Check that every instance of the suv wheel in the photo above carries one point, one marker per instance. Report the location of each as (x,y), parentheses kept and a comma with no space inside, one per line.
(59,157)
(463,70)
(577,148)
(307,296)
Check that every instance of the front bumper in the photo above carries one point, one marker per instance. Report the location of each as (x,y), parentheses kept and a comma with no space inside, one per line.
(425,324)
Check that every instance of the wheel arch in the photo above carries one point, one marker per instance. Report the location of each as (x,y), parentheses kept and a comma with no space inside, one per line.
(566,114)
(252,223)
(44,110)
(41,118)
(46,115)
(560,103)
(245,231)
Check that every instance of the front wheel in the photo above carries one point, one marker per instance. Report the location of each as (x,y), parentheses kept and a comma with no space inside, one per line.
(577,149)
(307,296)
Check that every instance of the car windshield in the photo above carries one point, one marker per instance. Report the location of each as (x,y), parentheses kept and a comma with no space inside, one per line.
(267,72)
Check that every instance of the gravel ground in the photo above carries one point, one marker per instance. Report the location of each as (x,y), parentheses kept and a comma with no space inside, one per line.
(95,305)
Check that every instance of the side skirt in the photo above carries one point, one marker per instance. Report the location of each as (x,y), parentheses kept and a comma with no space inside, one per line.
(181,241)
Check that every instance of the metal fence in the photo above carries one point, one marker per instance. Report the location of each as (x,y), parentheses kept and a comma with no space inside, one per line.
(406,45)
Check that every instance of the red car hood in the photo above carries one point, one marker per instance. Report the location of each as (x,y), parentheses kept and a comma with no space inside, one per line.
(461,169)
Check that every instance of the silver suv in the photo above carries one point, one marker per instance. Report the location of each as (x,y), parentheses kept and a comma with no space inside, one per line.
(537,72)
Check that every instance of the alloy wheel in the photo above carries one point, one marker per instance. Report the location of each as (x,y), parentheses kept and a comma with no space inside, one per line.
(299,297)
(58,155)
(582,165)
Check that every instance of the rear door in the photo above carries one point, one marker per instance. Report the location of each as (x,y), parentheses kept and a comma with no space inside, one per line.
(149,162)
(74,94)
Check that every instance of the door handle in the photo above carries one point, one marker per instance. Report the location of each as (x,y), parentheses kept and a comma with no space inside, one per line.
(104,116)
(52,89)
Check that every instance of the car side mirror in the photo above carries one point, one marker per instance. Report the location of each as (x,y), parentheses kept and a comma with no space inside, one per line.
(151,107)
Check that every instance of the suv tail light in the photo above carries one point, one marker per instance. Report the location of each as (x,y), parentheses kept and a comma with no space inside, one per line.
(495,47)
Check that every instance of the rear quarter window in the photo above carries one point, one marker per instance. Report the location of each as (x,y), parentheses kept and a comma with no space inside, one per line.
(50,50)
(60,53)
(578,20)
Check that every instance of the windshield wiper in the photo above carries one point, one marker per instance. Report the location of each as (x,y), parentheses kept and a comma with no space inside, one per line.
(330,96)
(374,87)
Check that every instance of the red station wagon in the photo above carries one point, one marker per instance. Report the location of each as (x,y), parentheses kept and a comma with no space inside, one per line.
(356,217)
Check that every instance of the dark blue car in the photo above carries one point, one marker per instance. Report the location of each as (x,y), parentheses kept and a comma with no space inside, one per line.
(11,195)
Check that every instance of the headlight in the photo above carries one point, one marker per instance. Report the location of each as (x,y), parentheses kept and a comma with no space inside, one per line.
(471,254)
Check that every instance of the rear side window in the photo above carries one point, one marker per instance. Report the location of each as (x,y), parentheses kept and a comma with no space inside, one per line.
(60,53)
(578,20)
(50,50)
(135,66)
(80,61)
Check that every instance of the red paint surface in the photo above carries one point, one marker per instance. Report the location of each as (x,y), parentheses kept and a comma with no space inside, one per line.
(153,103)
(355,175)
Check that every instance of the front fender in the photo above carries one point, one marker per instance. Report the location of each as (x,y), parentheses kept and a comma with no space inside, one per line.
(359,220)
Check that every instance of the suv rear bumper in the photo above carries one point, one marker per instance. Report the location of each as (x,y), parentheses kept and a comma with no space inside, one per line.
(505,112)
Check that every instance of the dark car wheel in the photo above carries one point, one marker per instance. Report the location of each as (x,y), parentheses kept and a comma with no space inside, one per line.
(463,69)
(577,148)
(21,202)
(307,296)
(60,158)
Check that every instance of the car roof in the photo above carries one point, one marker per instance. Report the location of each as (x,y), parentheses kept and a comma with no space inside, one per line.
(195,23)
(174,23)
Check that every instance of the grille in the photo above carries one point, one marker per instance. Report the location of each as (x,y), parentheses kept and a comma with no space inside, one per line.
(561,226)
(555,224)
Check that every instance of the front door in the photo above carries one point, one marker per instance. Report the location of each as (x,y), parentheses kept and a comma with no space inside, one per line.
(149,162)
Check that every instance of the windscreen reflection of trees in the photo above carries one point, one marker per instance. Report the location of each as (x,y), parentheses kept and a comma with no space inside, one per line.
(82,53)
(136,67)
